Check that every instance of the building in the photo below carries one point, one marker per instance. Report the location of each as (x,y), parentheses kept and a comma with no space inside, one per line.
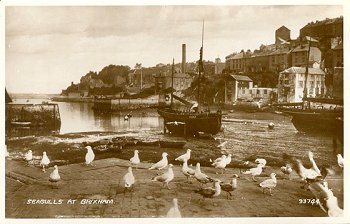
(236,62)
(337,87)
(291,84)
(282,35)
(219,66)
(235,83)
(298,56)
(278,60)
(264,95)
(338,58)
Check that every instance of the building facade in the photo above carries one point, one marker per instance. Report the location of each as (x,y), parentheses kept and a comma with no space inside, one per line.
(234,84)
(291,83)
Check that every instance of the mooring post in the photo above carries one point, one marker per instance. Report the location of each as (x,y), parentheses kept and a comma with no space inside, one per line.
(164,128)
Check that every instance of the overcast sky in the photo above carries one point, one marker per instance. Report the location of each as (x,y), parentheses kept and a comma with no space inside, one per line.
(48,47)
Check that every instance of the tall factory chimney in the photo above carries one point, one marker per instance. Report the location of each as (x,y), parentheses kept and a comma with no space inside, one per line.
(183,58)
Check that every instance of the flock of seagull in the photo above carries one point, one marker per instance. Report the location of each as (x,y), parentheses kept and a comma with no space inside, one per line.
(313,178)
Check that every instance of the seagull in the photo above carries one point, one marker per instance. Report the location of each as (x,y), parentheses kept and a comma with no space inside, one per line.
(90,156)
(29,156)
(201,177)
(327,201)
(188,172)
(185,156)
(210,192)
(314,166)
(244,165)
(174,211)
(135,160)
(228,159)
(261,161)
(45,161)
(223,157)
(269,183)
(166,177)
(254,171)
(126,118)
(54,176)
(222,145)
(129,180)
(228,187)
(306,173)
(340,160)
(161,164)
(220,164)
(287,170)
(7,154)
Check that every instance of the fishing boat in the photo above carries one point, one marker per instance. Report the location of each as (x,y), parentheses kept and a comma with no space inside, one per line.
(316,115)
(193,120)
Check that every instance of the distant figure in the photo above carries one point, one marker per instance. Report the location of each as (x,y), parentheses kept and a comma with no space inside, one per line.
(45,161)
(174,211)
(90,156)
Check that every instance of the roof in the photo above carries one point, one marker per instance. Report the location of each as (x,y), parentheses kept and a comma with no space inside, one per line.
(283,27)
(301,48)
(301,70)
(238,56)
(280,51)
(241,78)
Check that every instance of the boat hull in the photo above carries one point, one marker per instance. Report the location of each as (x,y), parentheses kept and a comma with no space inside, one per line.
(192,123)
(330,123)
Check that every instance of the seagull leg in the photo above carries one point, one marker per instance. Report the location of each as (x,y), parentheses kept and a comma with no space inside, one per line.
(167,184)
(263,190)
(270,192)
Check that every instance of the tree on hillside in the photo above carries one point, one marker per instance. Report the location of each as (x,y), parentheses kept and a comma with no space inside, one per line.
(108,73)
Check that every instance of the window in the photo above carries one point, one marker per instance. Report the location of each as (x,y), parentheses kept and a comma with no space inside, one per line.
(257,91)
(243,91)
(265,91)
(301,84)
(250,92)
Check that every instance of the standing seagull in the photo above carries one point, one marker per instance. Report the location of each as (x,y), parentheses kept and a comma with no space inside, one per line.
(135,160)
(340,160)
(162,163)
(188,172)
(129,180)
(201,177)
(254,171)
(28,156)
(45,161)
(54,177)
(174,211)
(90,156)
(287,170)
(210,192)
(220,164)
(261,161)
(269,183)
(185,156)
(166,177)
(228,187)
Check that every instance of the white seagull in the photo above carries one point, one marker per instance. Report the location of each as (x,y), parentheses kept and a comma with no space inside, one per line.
(222,145)
(223,157)
(210,192)
(162,163)
(287,170)
(174,211)
(90,156)
(166,177)
(269,183)
(220,164)
(314,166)
(55,176)
(135,160)
(185,156)
(201,177)
(129,180)
(327,201)
(306,173)
(188,172)
(28,156)
(228,159)
(254,171)
(261,161)
(340,160)
(45,161)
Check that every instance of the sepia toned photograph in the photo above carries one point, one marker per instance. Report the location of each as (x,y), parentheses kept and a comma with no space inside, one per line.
(173,111)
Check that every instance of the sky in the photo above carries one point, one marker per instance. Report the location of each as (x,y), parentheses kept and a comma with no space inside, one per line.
(48,47)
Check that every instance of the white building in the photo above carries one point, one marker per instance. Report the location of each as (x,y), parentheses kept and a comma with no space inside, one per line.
(262,94)
(292,80)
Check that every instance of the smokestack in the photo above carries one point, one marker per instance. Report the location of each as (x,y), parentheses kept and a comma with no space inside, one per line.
(183,58)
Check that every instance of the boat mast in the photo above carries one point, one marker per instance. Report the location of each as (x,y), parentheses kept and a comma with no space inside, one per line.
(307,70)
(172,83)
(200,67)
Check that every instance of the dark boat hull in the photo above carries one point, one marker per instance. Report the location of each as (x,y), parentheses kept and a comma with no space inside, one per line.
(193,123)
(324,122)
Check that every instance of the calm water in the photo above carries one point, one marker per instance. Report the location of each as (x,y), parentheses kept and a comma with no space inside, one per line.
(79,117)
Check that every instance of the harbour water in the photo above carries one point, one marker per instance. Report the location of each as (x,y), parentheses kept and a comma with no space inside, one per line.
(247,133)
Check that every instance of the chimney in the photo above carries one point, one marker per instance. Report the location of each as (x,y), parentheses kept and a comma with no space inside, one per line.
(183,58)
